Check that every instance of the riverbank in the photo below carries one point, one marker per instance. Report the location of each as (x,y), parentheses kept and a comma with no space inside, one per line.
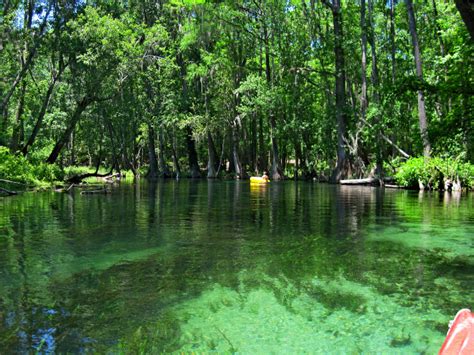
(19,174)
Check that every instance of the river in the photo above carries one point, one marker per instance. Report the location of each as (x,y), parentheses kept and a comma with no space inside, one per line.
(198,266)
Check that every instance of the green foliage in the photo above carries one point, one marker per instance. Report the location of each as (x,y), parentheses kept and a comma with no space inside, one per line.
(15,168)
(47,172)
(410,172)
(40,154)
(431,171)
(256,95)
(251,73)
(71,171)
(19,169)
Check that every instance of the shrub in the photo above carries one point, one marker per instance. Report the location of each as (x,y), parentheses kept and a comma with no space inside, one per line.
(434,170)
(410,172)
(71,171)
(15,168)
(48,172)
(18,168)
(40,154)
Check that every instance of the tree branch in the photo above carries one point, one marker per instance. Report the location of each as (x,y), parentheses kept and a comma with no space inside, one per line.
(328,4)
(388,140)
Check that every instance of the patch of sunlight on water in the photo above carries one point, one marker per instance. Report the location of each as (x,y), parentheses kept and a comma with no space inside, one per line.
(285,319)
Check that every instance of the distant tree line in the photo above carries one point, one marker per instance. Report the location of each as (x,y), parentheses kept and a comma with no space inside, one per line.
(304,88)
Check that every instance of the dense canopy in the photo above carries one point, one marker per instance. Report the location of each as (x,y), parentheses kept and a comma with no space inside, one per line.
(326,89)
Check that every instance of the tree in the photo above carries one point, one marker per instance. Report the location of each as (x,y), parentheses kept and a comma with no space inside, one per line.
(423,121)
(97,46)
(241,86)
(30,51)
(341,169)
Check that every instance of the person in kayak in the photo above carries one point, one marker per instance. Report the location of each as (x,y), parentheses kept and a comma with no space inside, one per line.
(265,176)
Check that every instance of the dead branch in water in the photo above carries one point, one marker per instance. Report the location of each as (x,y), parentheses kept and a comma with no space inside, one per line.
(8,192)
(13,182)
(78,178)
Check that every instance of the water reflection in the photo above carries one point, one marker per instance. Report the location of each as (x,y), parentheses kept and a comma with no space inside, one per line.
(79,273)
(452,198)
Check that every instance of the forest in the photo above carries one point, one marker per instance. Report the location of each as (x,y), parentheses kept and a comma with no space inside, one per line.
(304,89)
(148,129)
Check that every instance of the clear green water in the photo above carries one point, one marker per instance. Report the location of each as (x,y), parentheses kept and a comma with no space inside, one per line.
(217,266)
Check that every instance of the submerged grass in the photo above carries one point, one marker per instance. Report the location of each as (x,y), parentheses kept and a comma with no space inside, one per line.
(256,320)
(451,241)
(171,268)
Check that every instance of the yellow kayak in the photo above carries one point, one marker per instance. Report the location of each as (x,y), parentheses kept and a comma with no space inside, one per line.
(258,180)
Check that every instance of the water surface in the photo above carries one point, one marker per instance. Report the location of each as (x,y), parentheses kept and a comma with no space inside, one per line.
(220,266)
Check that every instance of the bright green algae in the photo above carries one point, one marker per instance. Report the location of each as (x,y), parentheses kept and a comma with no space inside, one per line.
(252,321)
(200,267)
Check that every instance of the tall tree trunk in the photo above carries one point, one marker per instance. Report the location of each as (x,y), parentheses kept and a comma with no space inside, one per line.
(28,18)
(363,28)
(392,37)
(174,149)
(276,172)
(15,139)
(341,170)
(261,159)
(284,156)
(162,166)
(42,113)
(423,122)
(376,95)
(72,149)
(253,150)
(192,155)
(441,106)
(153,172)
(190,144)
(466,9)
(16,81)
(438,30)
(112,136)
(4,35)
(80,107)
(4,126)
(298,158)
(262,156)
(27,60)
(212,163)
(235,150)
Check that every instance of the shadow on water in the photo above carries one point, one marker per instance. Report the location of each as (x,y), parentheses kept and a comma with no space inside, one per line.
(151,265)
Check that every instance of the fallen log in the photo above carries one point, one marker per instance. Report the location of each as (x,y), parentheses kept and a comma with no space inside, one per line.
(359,181)
(367,181)
(8,192)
